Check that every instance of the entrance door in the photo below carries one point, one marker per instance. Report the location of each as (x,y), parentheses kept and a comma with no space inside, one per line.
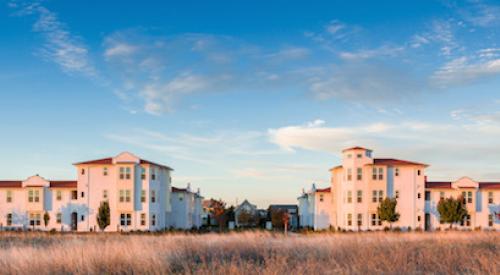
(74,221)
(427,222)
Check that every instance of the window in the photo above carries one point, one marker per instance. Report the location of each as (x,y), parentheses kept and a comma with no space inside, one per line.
(105,171)
(427,195)
(9,196)
(153,196)
(490,197)
(467,197)
(58,218)
(374,175)
(82,218)
(83,172)
(419,196)
(360,173)
(396,172)
(321,197)
(349,196)
(359,156)
(441,195)
(360,219)
(82,194)
(143,196)
(125,173)
(349,219)
(143,219)
(125,219)
(33,195)
(418,218)
(9,219)
(35,219)
(105,194)
(419,172)
(153,173)
(74,195)
(359,196)
(381,173)
(126,197)
(349,156)
(143,173)
(374,196)
(349,174)
(376,220)
(153,220)
(490,220)
(122,195)
(59,195)
(466,221)
(380,195)
(397,194)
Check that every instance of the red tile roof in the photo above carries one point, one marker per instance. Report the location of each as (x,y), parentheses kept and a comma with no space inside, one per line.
(11,184)
(333,168)
(324,190)
(489,185)
(97,161)
(396,162)
(438,184)
(355,148)
(63,184)
(110,161)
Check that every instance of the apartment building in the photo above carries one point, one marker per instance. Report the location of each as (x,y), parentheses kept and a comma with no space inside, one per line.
(138,192)
(361,182)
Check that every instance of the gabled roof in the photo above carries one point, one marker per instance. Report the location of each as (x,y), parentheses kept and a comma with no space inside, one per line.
(396,162)
(11,184)
(109,161)
(355,148)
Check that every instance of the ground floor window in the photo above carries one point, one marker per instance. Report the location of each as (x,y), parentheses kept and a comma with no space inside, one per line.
(125,219)
(153,220)
(58,218)
(143,219)
(490,220)
(360,219)
(349,219)
(9,219)
(466,221)
(35,219)
(376,220)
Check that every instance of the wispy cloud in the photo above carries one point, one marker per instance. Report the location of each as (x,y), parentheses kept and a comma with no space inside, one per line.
(465,70)
(60,45)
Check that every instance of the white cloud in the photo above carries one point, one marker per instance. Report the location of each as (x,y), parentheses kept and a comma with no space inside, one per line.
(119,49)
(60,46)
(334,27)
(464,70)
(482,15)
(384,51)
(290,53)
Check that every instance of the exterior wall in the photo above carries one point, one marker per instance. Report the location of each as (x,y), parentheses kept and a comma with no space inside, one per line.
(96,182)
(353,202)
(315,210)
(186,210)
(479,209)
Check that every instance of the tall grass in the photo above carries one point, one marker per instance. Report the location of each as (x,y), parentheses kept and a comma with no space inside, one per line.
(252,253)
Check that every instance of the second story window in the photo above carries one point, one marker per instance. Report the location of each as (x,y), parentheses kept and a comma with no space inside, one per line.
(490,197)
(9,219)
(467,197)
(33,195)
(124,173)
(349,197)
(360,174)
(82,194)
(377,196)
(397,194)
(58,195)
(9,196)
(360,196)
(74,195)
(153,196)
(143,196)
(124,196)
(105,194)
(349,174)
(105,171)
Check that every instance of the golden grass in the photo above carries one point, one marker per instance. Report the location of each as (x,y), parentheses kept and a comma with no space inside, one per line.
(252,253)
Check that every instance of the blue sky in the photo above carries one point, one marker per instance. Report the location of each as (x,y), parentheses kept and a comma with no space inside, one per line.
(250,99)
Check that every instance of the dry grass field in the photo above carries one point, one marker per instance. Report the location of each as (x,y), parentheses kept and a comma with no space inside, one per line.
(251,253)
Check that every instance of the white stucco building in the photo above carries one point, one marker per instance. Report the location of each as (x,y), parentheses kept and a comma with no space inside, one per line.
(138,192)
(315,208)
(186,208)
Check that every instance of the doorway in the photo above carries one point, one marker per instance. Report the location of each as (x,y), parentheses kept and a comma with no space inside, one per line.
(74,221)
